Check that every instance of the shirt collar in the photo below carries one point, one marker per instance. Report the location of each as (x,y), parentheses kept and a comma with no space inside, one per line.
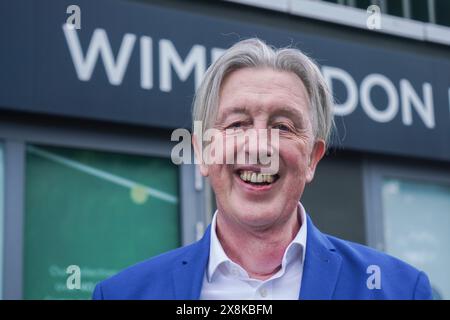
(217,255)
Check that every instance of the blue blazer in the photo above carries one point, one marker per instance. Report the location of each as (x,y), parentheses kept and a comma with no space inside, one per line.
(333,269)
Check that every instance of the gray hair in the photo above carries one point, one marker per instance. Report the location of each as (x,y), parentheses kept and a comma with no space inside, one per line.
(254,53)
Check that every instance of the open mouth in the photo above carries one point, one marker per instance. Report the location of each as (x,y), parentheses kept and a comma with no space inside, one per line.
(257,178)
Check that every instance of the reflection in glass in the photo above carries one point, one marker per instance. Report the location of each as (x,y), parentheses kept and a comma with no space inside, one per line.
(417,228)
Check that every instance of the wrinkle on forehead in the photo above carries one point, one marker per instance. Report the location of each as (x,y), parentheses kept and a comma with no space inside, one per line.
(253,91)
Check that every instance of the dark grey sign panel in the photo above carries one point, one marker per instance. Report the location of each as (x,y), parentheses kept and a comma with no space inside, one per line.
(140,64)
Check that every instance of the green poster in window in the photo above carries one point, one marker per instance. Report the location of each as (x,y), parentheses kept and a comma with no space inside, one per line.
(89,214)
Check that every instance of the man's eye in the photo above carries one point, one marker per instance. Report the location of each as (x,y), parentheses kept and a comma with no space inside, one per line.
(281,127)
(235,125)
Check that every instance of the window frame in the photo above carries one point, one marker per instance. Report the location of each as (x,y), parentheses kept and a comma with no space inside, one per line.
(356,18)
(16,135)
(373,173)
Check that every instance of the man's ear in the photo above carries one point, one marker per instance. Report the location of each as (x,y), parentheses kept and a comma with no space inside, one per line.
(199,155)
(318,151)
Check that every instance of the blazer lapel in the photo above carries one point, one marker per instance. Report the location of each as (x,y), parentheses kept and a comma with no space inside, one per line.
(321,267)
(190,268)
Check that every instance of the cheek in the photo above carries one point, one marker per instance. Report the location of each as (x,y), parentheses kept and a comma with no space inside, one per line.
(293,156)
(220,176)
(221,150)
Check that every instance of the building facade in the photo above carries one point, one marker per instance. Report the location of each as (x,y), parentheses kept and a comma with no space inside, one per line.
(91,92)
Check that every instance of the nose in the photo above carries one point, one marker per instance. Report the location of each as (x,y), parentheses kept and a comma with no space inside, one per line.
(258,146)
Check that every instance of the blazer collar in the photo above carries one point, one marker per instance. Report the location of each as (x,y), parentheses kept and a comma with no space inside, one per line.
(321,268)
(190,268)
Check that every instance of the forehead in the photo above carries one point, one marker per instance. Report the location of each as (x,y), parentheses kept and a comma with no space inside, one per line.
(262,90)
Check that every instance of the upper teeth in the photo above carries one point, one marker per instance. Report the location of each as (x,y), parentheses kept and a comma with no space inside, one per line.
(256,177)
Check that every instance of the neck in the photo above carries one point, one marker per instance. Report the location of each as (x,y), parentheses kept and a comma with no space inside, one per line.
(258,250)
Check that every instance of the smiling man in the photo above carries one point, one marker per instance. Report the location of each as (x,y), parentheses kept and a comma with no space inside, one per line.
(261,243)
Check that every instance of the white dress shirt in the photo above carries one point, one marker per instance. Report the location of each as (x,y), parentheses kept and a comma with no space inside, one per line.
(225,279)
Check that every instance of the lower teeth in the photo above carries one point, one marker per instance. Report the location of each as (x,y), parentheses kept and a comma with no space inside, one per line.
(258,183)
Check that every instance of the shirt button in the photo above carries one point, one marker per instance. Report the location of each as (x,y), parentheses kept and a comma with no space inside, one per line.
(263,292)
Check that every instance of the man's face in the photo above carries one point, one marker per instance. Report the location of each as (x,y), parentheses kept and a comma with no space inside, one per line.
(255,98)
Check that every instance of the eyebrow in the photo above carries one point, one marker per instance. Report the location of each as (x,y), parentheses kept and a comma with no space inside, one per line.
(233,110)
(290,112)
(284,110)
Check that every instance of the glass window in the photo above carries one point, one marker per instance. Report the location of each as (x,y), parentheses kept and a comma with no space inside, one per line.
(443,12)
(363,4)
(416,219)
(419,10)
(96,211)
(395,8)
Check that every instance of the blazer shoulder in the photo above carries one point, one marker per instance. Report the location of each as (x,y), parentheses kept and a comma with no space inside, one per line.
(359,253)
(143,278)
(398,279)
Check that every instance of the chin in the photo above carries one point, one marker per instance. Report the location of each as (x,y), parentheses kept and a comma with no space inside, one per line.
(257,213)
